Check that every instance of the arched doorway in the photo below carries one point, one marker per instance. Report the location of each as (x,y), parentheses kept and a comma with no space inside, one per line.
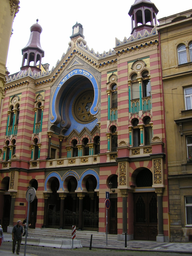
(112,184)
(145,206)
(33,206)
(6,204)
(90,203)
(71,215)
(53,203)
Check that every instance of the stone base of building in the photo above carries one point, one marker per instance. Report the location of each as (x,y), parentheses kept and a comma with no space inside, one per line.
(160,238)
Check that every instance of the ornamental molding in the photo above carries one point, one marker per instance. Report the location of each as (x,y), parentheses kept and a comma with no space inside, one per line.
(122,174)
(14,6)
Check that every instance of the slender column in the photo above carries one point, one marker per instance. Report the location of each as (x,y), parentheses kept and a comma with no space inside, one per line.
(32,149)
(108,142)
(109,103)
(160,236)
(12,132)
(4,153)
(46,196)
(91,149)
(129,86)
(80,196)
(60,145)
(68,152)
(50,133)
(34,124)
(79,150)
(39,150)
(10,152)
(141,135)
(42,107)
(130,136)
(13,196)
(62,198)
(140,94)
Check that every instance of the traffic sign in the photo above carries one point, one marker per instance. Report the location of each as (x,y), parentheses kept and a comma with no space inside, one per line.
(107,195)
(107,203)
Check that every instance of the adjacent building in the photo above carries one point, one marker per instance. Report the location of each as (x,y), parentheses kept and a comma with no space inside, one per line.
(93,124)
(176,58)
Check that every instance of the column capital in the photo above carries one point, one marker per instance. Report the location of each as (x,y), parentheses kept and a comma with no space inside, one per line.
(124,192)
(62,195)
(61,138)
(13,193)
(159,191)
(46,195)
(14,6)
(50,134)
(80,195)
(108,92)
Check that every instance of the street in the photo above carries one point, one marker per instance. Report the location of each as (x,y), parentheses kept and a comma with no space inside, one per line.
(46,251)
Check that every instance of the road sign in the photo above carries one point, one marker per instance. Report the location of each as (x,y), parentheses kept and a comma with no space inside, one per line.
(107,203)
(107,195)
(73,232)
(30,194)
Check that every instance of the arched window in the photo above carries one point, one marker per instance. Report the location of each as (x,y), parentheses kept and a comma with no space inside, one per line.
(146,84)
(17,114)
(96,145)
(182,54)
(39,112)
(7,151)
(147,130)
(74,148)
(135,87)
(136,133)
(139,18)
(113,138)
(36,149)
(11,116)
(85,147)
(14,147)
(114,96)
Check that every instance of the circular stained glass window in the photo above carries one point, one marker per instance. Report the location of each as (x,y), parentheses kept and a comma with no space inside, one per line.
(81,107)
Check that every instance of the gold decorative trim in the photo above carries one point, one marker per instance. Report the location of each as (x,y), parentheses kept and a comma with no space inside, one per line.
(147,150)
(4,165)
(157,171)
(122,174)
(113,156)
(71,161)
(84,160)
(34,164)
(136,151)
(60,162)
(51,163)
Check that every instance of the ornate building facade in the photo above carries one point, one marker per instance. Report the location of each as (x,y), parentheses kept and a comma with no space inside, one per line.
(176,55)
(91,125)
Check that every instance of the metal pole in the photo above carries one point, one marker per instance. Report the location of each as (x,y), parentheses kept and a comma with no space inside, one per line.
(125,239)
(90,246)
(106,226)
(27,224)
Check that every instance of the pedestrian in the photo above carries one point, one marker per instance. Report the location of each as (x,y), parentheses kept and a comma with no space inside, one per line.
(1,235)
(17,233)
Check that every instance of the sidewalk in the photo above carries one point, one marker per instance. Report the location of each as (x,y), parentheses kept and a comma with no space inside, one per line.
(61,239)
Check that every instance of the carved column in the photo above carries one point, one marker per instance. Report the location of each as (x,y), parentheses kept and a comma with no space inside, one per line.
(50,133)
(46,196)
(60,144)
(80,196)
(109,103)
(62,198)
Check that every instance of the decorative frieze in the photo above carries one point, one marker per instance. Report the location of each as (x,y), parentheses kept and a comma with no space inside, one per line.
(71,161)
(136,151)
(157,171)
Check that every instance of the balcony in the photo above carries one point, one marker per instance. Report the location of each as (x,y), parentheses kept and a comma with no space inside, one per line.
(135,105)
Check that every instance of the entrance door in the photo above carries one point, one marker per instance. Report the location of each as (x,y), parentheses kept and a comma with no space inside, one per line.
(113,216)
(6,212)
(145,216)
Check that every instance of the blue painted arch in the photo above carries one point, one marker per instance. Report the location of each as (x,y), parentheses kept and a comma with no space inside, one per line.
(54,175)
(76,72)
(86,173)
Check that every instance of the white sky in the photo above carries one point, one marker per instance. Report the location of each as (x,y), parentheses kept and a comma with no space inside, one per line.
(102,20)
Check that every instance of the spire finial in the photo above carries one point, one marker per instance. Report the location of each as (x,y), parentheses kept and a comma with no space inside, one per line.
(37,20)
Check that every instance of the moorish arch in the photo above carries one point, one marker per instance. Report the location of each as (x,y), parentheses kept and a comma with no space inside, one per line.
(75,102)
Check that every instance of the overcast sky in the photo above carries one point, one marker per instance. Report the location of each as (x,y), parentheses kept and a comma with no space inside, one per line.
(102,20)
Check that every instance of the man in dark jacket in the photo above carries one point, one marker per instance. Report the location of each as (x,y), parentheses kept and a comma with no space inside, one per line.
(17,233)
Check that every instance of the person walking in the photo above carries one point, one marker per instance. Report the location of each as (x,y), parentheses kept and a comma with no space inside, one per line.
(17,233)
(1,235)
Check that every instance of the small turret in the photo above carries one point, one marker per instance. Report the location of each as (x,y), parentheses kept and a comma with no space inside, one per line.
(143,16)
(33,53)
